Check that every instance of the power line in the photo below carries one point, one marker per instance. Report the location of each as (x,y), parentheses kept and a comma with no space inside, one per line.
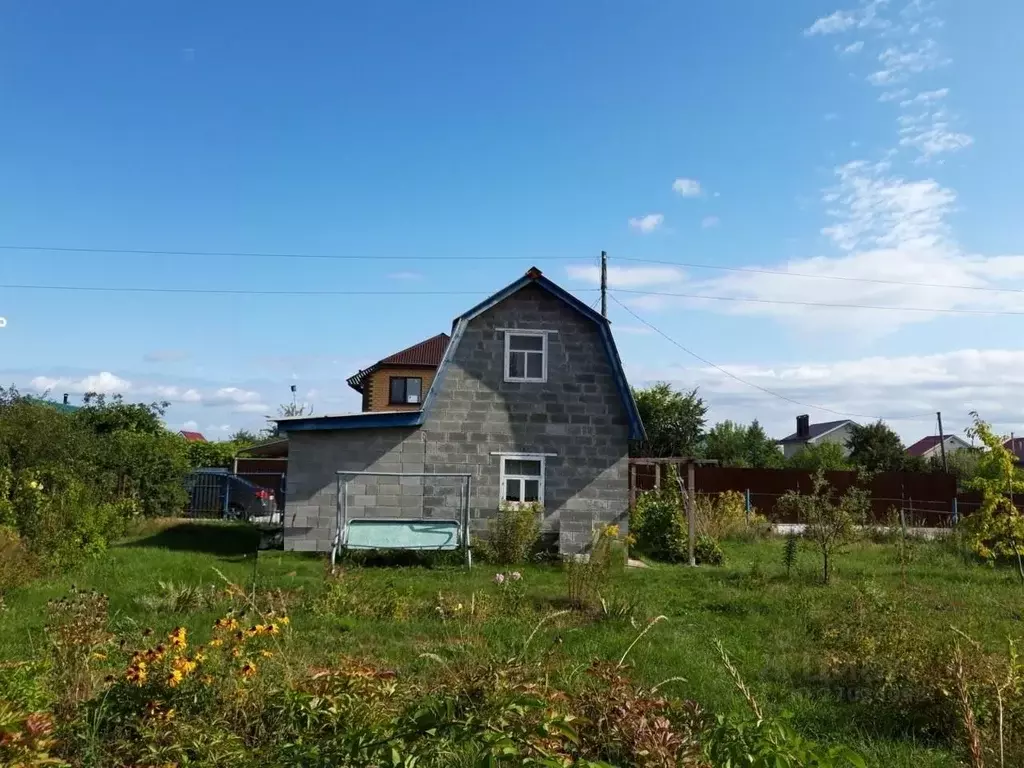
(832,305)
(268,255)
(361,257)
(752,384)
(242,292)
(269,292)
(846,278)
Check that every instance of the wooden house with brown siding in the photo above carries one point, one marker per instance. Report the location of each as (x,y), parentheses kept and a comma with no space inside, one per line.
(400,381)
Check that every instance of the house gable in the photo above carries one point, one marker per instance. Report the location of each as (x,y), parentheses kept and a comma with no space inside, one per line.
(573,424)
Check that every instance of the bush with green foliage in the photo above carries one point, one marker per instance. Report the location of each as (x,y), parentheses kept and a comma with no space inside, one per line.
(512,534)
(657,523)
(70,481)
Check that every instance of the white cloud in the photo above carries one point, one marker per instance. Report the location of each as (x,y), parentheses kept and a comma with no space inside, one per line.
(221,428)
(840,21)
(232,396)
(710,221)
(899,63)
(626,277)
(405,276)
(894,95)
(926,97)
(686,187)
(876,209)
(852,48)
(252,408)
(190,426)
(648,223)
(892,229)
(915,385)
(104,383)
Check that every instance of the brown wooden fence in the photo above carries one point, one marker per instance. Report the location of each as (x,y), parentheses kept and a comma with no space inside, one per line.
(925,498)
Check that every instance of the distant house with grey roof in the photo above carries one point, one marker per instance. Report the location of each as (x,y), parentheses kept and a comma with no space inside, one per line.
(814,434)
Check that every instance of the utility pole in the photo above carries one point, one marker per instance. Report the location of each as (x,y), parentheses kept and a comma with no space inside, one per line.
(604,285)
(942,443)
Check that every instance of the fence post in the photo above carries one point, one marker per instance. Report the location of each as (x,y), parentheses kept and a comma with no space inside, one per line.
(657,476)
(903,516)
(227,495)
(747,496)
(956,516)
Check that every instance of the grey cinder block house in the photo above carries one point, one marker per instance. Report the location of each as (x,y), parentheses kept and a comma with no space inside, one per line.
(530,399)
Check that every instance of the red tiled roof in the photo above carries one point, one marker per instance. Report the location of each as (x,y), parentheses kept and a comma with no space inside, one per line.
(429,352)
(923,445)
(192,437)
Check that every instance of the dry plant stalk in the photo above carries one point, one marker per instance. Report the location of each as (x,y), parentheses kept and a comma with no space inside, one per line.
(735,675)
(966,709)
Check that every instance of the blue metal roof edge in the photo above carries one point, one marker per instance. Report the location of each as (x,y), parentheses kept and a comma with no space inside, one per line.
(354,421)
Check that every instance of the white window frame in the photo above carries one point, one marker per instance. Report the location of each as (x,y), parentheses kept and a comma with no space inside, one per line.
(503,476)
(509,333)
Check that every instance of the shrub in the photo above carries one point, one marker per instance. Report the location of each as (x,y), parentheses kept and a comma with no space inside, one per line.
(513,534)
(657,523)
(707,551)
(588,576)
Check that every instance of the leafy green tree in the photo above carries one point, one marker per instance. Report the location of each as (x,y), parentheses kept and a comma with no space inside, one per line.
(820,456)
(997,528)
(735,445)
(876,448)
(674,421)
(727,443)
(829,525)
(244,437)
(761,450)
(103,415)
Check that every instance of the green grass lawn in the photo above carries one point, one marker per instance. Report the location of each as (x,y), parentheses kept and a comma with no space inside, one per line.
(771,624)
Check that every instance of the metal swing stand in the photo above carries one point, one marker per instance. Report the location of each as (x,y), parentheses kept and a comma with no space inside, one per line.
(410,533)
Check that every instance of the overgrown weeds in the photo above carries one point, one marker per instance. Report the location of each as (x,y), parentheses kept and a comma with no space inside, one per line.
(588,576)
(512,534)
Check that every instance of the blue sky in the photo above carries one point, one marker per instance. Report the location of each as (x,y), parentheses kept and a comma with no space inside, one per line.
(860,141)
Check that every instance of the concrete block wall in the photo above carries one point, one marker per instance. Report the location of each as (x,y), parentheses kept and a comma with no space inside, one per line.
(577,415)
(314,459)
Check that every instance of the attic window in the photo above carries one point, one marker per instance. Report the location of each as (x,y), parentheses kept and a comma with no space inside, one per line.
(526,356)
(405,390)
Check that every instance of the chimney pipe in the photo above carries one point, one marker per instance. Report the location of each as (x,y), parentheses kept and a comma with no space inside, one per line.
(803,426)
(65,398)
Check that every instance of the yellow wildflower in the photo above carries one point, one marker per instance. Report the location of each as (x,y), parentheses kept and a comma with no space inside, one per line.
(174,677)
(284,620)
(267,654)
(248,670)
(216,642)
(178,638)
(137,673)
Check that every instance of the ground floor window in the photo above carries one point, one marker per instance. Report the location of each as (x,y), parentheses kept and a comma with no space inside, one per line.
(522,478)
